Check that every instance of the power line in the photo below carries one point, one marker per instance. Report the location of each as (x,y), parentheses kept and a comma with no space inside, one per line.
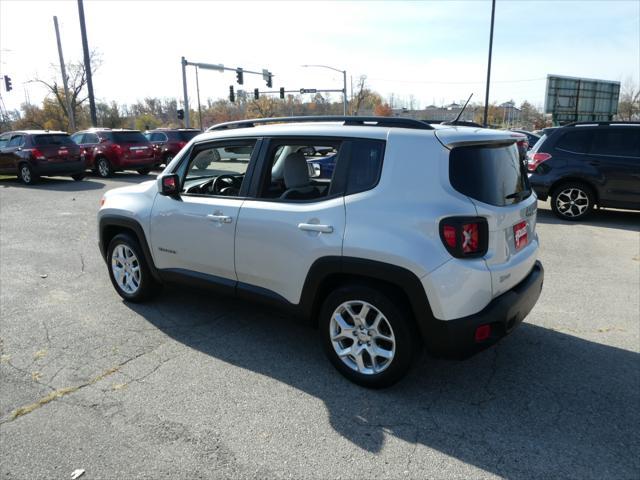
(438,82)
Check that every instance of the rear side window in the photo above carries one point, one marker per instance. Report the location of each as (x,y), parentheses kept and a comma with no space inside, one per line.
(128,137)
(622,142)
(575,141)
(365,164)
(489,174)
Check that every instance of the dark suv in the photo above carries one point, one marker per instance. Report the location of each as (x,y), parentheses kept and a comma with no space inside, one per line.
(586,164)
(34,153)
(168,142)
(108,150)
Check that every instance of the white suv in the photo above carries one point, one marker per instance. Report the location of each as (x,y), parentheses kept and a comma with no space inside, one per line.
(422,234)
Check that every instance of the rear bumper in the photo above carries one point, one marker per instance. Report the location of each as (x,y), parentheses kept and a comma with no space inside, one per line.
(456,338)
(63,168)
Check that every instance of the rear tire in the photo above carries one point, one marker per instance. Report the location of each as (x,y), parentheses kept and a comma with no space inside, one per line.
(128,269)
(78,177)
(26,174)
(572,201)
(103,168)
(377,349)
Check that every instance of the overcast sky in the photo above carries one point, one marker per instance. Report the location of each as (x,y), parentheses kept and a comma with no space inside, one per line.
(435,50)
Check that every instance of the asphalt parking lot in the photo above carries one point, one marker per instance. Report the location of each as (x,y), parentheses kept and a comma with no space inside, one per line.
(197,386)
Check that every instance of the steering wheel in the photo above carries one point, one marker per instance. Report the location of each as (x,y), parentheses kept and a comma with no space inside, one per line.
(225,185)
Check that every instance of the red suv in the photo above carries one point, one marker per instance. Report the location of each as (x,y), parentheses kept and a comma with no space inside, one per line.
(107,150)
(168,142)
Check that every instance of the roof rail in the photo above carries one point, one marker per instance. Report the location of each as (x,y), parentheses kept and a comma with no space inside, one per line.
(351,121)
(596,122)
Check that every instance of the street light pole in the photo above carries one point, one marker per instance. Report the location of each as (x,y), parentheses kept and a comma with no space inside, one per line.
(344,84)
(187,122)
(486,96)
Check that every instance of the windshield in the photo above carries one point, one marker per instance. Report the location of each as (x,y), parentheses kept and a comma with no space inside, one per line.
(128,137)
(55,139)
(490,174)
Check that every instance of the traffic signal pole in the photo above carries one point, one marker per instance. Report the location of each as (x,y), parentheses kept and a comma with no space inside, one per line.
(267,75)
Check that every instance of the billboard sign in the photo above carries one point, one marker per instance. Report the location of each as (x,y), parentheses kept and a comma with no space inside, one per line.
(571,99)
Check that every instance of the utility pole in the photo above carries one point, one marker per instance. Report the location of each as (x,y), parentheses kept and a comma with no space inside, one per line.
(187,120)
(486,96)
(199,107)
(87,65)
(63,69)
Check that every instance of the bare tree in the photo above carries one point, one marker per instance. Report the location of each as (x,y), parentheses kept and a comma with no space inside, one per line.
(77,80)
(629,106)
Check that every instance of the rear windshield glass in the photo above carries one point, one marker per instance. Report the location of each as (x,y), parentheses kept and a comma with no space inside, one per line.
(124,137)
(492,175)
(186,136)
(42,140)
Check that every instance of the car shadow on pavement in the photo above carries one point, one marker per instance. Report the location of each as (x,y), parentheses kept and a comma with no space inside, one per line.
(618,219)
(54,184)
(540,403)
(131,177)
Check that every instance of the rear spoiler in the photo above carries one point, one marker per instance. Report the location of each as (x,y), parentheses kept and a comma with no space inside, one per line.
(466,137)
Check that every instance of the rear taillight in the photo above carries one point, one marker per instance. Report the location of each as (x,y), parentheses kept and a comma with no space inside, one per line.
(465,237)
(536,159)
(37,154)
(116,148)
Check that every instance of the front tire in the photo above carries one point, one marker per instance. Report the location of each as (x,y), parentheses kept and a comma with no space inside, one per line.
(128,269)
(26,174)
(367,338)
(572,201)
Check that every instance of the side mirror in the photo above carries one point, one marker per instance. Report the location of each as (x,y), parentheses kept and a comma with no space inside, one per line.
(169,185)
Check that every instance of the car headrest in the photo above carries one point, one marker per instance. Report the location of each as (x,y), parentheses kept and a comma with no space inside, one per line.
(296,171)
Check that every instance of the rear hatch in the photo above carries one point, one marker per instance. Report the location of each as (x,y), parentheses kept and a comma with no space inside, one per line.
(134,145)
(485,166)
(57,147)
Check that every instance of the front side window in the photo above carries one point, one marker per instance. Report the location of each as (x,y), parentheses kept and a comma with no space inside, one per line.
(217,169)
(91,138)
(16,141)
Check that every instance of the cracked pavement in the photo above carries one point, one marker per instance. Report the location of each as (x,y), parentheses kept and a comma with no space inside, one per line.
(198,386)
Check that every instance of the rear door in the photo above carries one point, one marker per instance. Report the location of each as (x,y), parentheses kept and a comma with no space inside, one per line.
(615,152)
(283,231)
(492,176)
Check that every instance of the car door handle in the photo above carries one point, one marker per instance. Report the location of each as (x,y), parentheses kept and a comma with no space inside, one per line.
(219,218)
(314,227)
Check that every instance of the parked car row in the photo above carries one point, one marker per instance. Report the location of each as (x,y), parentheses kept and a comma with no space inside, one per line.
(33,153)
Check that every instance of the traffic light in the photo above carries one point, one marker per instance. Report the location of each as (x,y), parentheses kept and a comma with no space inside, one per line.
(256,93)
(232,97)
(7,83)
(282,93)
(269,83)
(239,76)
(180,113)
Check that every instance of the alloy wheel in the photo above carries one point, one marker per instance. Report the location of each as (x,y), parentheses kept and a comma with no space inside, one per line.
(25,174)
(572,202)
(126,269)
(103,168)
(362,337)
